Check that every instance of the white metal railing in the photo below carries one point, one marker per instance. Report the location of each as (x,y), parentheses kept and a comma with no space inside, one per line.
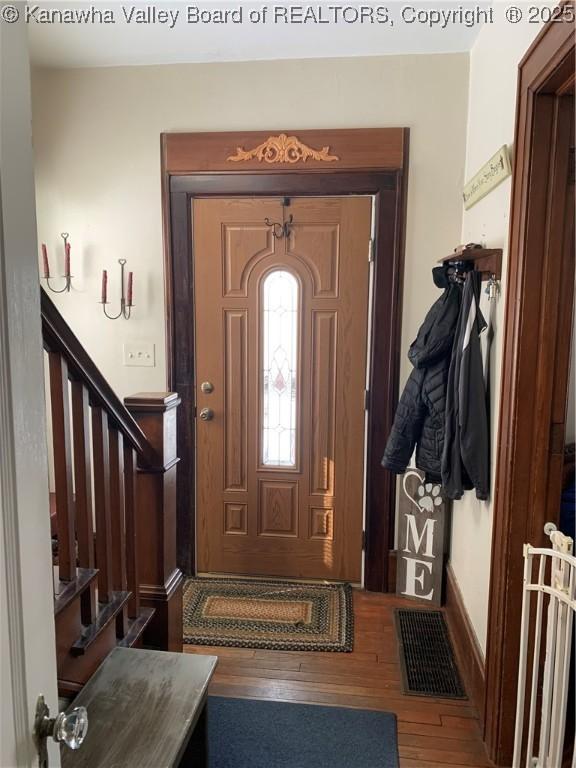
(555,580)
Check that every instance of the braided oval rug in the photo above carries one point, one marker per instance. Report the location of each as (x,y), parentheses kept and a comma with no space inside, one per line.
(280,616)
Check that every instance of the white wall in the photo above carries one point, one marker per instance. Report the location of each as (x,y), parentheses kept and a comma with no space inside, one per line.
(96,138)
(494,63)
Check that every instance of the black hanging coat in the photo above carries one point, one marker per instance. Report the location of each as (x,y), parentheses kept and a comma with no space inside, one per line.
(421,411)
(466,454)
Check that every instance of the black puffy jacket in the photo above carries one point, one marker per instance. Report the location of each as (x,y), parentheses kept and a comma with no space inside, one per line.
(421,411)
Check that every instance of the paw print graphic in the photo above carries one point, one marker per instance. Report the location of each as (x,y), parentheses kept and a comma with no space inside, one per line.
(429,497)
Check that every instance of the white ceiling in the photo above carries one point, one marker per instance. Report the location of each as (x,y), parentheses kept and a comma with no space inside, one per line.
(76,44)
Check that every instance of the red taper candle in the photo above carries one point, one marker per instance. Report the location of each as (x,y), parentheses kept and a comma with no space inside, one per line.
(67,260)
(45,260)
(104,286)
(130,286)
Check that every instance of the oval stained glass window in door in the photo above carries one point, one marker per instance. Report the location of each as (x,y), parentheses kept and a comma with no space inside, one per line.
(280,301)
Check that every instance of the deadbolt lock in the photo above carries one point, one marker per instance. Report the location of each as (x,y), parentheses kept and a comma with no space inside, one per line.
(206,414)
(207,387)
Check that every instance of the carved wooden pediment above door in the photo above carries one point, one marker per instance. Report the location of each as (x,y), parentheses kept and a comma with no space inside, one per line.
(288,151)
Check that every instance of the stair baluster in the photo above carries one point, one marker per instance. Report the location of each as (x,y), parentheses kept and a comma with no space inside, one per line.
(115,510)
(83,474)
(118,524)
(101,445)
(60,401)
(132,570)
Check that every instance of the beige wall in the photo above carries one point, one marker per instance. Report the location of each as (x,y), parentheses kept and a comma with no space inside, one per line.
(492,103)
(96,139)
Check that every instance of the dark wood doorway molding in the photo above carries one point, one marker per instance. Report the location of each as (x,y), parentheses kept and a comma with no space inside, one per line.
(536,356)
(321,162)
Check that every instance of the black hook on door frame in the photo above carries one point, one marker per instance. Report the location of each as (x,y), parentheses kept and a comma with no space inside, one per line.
(281,230)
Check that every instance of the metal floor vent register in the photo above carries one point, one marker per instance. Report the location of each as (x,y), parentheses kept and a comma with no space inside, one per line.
(426,656)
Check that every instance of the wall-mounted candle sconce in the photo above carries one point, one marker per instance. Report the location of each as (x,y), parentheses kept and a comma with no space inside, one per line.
(67,276)
(125,298)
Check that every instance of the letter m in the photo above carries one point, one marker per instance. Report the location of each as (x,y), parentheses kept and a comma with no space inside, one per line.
(418,538)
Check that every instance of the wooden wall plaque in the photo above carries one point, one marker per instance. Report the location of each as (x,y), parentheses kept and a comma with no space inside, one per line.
(423,525)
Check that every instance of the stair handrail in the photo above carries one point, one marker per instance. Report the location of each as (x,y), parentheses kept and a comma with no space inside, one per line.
(59,337)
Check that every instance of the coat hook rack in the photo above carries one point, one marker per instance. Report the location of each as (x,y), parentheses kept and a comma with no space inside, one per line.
(493,288)
(125,298)
(487,261)
(67,274)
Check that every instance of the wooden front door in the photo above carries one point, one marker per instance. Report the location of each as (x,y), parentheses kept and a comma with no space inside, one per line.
(281,326)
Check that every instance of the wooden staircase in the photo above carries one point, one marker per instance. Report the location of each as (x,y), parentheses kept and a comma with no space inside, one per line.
(115,577)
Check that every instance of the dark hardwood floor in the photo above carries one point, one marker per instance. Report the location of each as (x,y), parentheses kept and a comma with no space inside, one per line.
(431,732)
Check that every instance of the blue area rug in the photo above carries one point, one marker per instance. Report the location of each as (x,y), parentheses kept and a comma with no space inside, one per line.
(243,733)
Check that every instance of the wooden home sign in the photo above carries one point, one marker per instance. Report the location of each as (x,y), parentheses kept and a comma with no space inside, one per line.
(423,525)
(488,177)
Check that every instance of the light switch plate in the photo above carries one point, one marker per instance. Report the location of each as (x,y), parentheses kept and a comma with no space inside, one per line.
(140,354)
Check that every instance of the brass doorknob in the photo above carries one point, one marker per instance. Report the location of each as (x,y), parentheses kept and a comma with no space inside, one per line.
(206,414)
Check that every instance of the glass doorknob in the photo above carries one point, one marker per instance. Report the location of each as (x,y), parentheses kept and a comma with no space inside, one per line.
(206,414)
(69,729)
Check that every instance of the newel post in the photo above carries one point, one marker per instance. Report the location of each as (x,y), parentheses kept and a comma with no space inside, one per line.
(160,578)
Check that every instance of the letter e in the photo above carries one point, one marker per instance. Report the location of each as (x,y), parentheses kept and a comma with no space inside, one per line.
(412,577)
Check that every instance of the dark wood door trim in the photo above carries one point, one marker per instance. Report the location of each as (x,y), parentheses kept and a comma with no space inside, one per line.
(372,162)
(538,309)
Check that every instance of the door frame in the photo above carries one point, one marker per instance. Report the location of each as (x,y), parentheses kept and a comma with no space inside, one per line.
(535,366)
(27,634)
(294,163)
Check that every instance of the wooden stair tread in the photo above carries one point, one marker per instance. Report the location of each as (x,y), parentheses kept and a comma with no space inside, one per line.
(68,689)
(66,591)
(106,613)
(136,627)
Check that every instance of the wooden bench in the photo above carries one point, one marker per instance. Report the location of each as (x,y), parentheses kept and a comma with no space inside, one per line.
(143,709)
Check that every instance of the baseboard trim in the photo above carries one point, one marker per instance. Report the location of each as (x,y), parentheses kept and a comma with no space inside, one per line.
(468,654)
(392,562)
(164,632)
